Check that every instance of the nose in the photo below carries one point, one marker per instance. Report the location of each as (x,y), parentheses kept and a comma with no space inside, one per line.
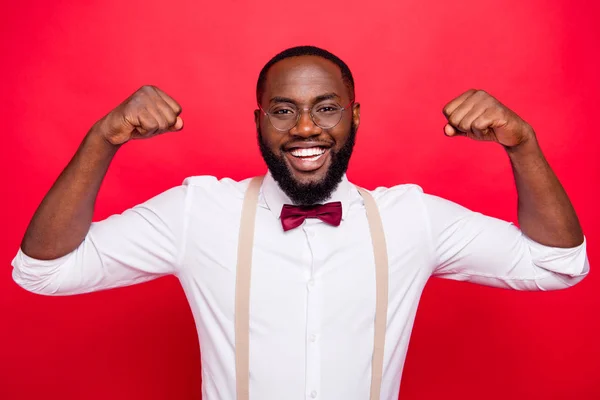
(305,126)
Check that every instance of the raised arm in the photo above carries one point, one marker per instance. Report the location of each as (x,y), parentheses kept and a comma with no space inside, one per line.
(547,252)
(544,210)
(63,252)
(64,216)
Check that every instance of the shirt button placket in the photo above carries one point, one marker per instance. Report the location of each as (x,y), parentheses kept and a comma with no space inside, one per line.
(314,303)
(313,351)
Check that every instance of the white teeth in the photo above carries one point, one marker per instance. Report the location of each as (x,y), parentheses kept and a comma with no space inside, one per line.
(315,158)
(310,152)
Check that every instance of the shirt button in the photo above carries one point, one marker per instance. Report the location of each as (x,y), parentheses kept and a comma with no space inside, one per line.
(313,394)
(313,338)
(311,283)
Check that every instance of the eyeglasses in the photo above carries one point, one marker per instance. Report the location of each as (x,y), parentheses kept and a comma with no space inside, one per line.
(325,115)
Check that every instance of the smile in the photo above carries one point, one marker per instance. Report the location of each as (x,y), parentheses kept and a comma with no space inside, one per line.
(308,154)
(307,159)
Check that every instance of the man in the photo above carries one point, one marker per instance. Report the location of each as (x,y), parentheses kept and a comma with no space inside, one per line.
(313,302)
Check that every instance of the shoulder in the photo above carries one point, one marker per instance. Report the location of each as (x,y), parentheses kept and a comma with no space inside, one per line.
(399,194)
(211,187)
(412,198)
(399,201)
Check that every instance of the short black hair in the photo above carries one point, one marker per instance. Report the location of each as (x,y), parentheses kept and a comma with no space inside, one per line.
(305,51)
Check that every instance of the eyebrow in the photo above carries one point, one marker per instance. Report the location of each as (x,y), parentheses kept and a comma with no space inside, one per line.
(322,97)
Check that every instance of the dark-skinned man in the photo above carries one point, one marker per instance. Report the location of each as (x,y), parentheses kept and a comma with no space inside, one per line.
(302,285)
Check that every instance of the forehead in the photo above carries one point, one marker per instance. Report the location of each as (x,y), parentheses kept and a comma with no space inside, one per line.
(304,78)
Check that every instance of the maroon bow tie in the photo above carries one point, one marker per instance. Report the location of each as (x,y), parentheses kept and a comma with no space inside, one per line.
(294,216)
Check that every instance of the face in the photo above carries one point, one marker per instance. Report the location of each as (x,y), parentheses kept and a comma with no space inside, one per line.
(307,161)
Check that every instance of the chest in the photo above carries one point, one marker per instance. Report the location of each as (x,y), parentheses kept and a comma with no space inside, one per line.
(314,266)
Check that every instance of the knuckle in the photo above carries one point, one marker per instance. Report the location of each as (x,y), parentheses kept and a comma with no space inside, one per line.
(479,124)
(134,101)
(454,120)
(485,96)
(139,98)
(151,125)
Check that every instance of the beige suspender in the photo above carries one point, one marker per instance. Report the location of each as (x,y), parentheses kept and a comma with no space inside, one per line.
(381,285)
(242,290)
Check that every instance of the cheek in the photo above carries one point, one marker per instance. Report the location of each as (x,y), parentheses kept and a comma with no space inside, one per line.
(271,139)
(341,135)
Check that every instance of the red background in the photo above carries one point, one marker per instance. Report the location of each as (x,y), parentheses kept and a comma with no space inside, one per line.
(66,64)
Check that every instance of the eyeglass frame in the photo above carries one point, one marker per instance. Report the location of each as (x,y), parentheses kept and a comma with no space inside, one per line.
(309,109)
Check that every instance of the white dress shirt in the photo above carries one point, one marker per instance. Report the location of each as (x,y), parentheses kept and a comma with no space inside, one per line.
(313,288)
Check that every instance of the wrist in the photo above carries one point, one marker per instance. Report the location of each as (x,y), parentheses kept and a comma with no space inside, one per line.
(98,137)
(527,146)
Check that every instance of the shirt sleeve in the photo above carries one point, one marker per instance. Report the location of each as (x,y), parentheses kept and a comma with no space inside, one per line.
(138,245)
(469,246)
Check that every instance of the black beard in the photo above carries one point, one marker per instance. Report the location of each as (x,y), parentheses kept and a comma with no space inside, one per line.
(314,192)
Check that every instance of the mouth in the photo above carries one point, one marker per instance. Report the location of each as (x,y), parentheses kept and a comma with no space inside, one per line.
(307,159)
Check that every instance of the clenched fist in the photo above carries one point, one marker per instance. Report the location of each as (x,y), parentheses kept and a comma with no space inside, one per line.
(146,113)
(479,116)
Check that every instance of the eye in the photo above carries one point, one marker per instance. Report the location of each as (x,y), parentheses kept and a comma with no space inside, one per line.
(282,111)
(327,108)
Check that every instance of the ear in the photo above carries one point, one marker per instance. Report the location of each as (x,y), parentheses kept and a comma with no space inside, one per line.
(356,114)
(257,118)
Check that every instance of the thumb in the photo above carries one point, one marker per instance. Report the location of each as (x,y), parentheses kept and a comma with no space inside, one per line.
(499,126)
(449,130)
(178,125)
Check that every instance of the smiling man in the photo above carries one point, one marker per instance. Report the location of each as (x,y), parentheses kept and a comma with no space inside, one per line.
(302,285)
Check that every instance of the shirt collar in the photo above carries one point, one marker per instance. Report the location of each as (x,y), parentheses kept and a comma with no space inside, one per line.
(275,198)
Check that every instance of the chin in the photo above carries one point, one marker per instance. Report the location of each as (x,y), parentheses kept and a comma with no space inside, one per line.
(309,178)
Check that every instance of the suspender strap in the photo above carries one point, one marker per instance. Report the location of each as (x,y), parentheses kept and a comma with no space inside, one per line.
(381,283)
(242,290)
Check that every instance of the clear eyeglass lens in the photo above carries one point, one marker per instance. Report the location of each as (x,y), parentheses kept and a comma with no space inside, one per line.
(324,115)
